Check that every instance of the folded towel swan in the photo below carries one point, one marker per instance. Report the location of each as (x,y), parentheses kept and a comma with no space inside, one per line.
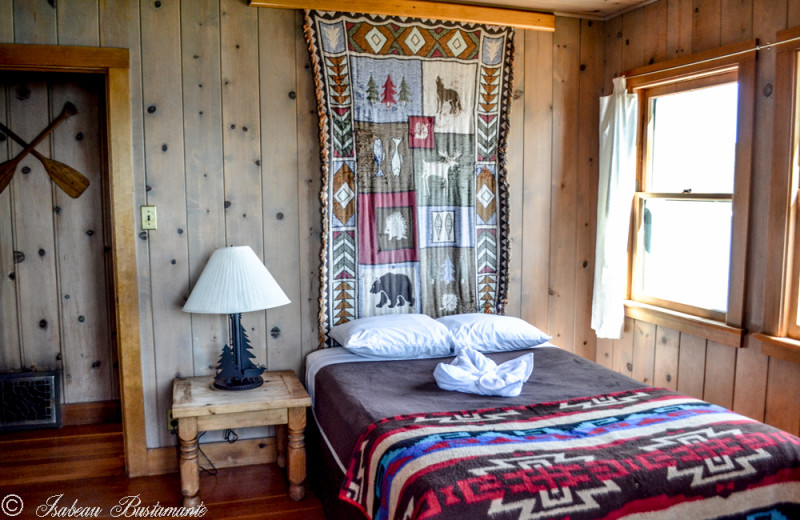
(474,373)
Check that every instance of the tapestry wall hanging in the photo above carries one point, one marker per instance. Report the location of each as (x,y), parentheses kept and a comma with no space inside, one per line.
(413,123)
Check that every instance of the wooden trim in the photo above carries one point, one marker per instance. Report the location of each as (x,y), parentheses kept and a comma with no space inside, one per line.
(781,268)
(425,9)
(222,454)
(713,197)
(702,69)
(709,329)
(61,58)
(695,65)
(113,63)
(782,348)
(98,412)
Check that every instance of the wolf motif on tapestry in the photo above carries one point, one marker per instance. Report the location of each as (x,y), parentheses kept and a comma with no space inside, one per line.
(413,123)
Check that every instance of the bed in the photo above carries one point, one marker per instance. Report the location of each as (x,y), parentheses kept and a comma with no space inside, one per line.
(579,442)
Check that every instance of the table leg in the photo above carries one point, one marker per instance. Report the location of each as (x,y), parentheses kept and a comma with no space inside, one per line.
(190,472)
(280,444)
(297,453)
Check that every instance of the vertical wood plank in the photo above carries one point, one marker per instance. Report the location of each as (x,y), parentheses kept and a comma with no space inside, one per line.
(750,388)
(622,357)
(591,88)
(77,23)
(116,24)
(138,112)
(279,164)
(33,230)
(241,142)
(644,349)
(691,365)
(768,18)
(737,21)
(633,37)
(34,22)
(707,29)
(10,356)
(82,284)
(783,406)
(666,358)
(538,130)
(164,150)
(655,34)
(515,176)
(202,131)
(679,27)
(605,352)
(309,232)
(613,53)
(6,21)
(793,15)
(720,367)
(566,63)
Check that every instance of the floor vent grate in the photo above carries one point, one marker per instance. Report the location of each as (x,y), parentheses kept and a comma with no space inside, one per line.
(29,400)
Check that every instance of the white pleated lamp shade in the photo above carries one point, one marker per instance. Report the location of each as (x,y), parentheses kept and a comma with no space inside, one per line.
(234,280)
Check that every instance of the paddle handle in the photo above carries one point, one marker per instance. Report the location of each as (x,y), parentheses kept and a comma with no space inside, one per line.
(68,110)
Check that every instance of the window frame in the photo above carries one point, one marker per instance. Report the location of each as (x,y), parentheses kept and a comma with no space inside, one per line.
(701,69)
(782,278)
(644,193)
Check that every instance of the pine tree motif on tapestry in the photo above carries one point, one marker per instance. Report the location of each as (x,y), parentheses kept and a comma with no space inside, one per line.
(413,118)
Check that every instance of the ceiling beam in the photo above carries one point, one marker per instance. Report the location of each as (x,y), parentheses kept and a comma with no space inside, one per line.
(425,9)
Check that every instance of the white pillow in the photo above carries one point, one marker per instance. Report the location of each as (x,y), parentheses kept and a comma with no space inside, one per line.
(394,336)
(492,333)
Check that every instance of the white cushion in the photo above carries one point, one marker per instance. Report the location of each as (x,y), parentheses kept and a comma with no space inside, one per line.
(394,336)
(492,333)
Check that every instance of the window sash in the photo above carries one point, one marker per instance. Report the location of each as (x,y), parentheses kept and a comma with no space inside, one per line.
(637,292)
(702,79)
(792,261)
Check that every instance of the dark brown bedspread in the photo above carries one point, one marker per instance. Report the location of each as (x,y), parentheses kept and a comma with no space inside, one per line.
(351,396)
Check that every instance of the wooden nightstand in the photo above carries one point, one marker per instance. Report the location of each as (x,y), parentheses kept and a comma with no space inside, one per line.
(280,401)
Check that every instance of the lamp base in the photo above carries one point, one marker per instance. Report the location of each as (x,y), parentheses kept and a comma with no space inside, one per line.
(246,383)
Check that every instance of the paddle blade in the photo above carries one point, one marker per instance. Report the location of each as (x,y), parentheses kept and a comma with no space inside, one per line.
(7,170)
(67,178)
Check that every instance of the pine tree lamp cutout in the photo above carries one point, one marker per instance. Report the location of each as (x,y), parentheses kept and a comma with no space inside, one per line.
(235,281)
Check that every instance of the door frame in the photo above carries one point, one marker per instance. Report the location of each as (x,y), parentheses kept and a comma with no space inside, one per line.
(113,64)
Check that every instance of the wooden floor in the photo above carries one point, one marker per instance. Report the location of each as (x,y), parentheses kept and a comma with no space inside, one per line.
(247,492)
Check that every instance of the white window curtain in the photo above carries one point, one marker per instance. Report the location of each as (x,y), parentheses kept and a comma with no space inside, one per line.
(618,114)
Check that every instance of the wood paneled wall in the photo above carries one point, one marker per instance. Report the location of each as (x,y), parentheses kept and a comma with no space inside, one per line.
(225,144)
(54,296)
(743,379)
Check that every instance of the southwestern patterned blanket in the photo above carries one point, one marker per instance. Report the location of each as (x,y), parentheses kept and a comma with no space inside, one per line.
(645,454)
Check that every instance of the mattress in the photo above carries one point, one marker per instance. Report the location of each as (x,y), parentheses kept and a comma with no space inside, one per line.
(580,442)
(350,392)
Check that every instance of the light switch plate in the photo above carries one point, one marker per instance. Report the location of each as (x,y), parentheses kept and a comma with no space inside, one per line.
(149,220)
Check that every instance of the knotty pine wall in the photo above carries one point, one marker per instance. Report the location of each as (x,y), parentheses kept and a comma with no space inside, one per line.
(743,379)
(53,292)
(225,145)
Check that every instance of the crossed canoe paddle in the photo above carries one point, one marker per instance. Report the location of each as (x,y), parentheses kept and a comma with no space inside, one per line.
(67,178)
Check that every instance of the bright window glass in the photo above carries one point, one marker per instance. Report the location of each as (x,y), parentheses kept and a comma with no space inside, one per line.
(686,251)
(686,201)
(693,143)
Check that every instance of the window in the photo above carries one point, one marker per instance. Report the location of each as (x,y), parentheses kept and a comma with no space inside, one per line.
(780,315)
(793,287)
(684,205)
(689,220)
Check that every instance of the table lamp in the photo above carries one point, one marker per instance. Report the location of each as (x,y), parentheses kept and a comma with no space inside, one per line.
(235,281)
